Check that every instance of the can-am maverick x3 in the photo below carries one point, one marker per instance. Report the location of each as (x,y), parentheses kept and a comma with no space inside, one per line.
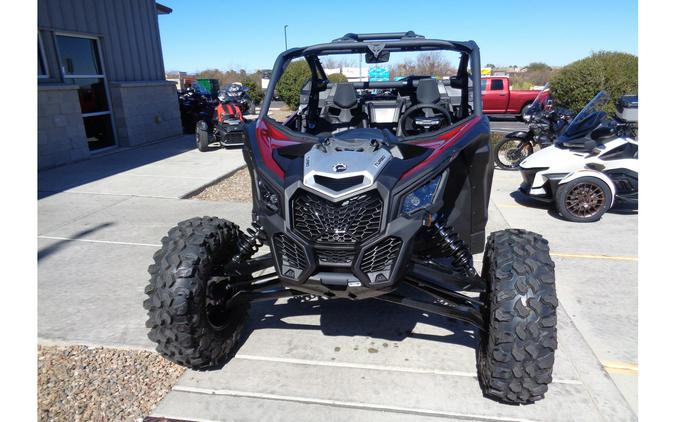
(367,187)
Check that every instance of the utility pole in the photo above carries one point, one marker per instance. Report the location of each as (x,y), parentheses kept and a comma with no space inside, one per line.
(285,38)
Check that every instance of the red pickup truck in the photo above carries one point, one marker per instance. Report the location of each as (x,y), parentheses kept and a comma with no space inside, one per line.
(498,98)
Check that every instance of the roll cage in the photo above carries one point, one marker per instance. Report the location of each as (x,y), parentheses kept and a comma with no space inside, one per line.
(466,80)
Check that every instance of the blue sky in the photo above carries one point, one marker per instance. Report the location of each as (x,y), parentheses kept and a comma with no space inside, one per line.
(249,35)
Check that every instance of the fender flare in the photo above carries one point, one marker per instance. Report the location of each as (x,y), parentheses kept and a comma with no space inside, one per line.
(590,173)
(519,134)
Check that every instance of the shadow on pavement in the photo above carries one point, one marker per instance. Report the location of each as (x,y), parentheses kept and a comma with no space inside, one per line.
(45,252)
(526,201)
(68,176)
(368,318)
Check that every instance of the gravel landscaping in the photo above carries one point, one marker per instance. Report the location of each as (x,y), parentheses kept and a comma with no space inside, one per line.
(81,383)
(236,187)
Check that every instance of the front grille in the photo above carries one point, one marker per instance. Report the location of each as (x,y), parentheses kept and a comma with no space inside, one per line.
(328,257)
(349,221)
(291,256)
(379,259)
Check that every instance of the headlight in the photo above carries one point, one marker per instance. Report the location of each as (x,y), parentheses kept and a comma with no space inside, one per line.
(420,197)
(270,198)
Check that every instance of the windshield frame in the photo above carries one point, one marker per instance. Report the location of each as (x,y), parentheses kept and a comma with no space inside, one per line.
(361,43)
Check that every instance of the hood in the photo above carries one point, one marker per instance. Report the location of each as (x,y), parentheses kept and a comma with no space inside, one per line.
(338,167)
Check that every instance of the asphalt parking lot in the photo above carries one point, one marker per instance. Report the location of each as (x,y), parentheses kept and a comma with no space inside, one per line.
(334,360)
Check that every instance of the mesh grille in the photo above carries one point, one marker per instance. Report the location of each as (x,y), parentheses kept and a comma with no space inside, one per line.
(334,256)
(291,254)
(349,221)
(381,256)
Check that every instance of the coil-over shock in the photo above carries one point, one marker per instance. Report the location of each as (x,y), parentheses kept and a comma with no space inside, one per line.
(455,248)
(249,243)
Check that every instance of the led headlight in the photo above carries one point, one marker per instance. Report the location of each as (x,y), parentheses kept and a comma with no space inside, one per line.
(269,197)
(420,197)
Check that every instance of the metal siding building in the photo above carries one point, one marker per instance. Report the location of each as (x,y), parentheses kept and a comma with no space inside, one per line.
(101,78)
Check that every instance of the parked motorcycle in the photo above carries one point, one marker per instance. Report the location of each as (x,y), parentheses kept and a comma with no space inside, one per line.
(593,164)
(545,123)
(194,106)
(238,94)
(225,125)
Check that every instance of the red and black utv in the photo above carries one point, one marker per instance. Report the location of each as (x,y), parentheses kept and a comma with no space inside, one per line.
(367,188)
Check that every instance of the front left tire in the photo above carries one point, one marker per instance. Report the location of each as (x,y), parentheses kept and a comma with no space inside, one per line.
(518,343)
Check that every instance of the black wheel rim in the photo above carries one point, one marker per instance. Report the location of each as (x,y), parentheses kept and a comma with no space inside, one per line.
(585,200)
(510,154)
(218,313)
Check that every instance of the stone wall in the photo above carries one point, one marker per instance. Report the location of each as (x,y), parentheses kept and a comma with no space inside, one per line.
(61,135)
(145,111)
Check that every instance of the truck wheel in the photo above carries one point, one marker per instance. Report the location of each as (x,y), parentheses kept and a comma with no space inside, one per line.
(583,200)
(184,317)
(523,111)
(202,138)
(515,360)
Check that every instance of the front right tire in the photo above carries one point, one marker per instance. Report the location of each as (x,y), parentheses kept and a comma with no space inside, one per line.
(518,343)
(185,313)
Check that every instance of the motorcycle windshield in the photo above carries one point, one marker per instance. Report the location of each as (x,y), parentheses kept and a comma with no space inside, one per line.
(540,102)
(588,118)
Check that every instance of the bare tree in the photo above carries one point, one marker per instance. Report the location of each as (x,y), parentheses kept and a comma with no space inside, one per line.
(431,64)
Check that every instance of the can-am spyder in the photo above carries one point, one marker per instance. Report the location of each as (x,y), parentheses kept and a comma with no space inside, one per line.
(370,187)
(593,163)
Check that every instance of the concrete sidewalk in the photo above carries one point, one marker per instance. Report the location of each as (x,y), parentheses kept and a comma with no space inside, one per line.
(167,169)
(332,360)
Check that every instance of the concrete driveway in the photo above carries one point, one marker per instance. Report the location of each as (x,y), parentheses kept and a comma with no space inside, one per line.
(331,360)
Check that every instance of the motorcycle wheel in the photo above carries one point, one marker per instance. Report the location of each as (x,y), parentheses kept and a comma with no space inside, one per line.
(202,139)
(509,153)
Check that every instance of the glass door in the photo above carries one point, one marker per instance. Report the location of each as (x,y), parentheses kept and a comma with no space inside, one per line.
(80,61)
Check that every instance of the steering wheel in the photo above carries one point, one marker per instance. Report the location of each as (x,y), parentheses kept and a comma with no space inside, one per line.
(406,128)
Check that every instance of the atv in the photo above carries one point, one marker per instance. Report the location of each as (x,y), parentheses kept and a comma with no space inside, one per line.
(370,188)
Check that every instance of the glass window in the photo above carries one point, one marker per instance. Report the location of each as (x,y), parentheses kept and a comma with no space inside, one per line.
(483,84)
(79,56)
(92,94)
(99,131)
(42,66)
(497,85)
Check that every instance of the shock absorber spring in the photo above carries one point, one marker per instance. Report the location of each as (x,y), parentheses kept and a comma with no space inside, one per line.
(249,243)
(456,249)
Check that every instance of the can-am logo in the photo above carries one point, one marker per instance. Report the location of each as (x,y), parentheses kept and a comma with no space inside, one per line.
(339,167)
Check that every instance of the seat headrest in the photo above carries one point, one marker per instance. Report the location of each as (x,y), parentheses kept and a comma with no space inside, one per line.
(345,95)
(427,92)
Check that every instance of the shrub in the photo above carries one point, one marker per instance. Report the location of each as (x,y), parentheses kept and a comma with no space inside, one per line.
(616,73)
(253,89)
(337,78)
(290,83)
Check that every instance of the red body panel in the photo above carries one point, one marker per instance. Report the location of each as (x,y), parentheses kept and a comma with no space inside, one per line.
(499,99)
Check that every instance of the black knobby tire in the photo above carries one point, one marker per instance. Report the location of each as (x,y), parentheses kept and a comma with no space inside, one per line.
(583,200)
(514,150)
(191,253)
(515,359)
(202,139)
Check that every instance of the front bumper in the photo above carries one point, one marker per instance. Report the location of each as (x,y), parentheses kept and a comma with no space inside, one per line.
(334,265)
(540,193)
